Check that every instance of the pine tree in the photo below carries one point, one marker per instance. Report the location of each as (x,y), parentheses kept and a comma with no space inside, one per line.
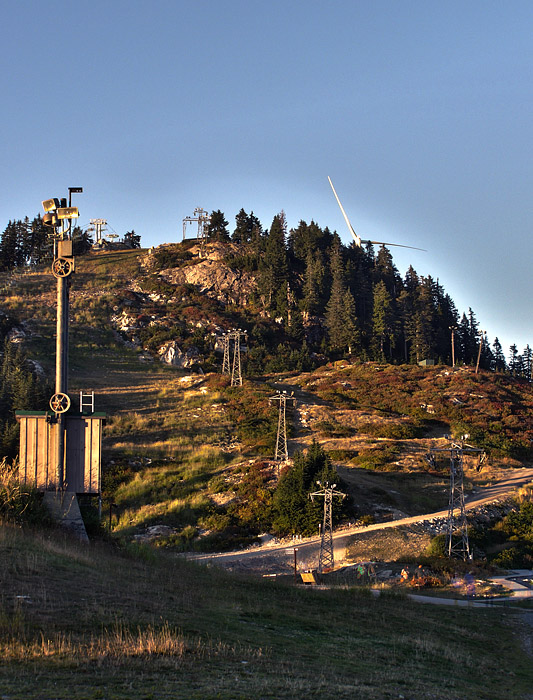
(273,267)
(294,512)
(341,321)
(513,360)
(241,233)
(41,248)
(217,229)
(500,364)
(527,360)
(384,320)
(132,239)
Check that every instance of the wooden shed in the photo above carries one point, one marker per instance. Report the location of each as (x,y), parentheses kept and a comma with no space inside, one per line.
(83,451)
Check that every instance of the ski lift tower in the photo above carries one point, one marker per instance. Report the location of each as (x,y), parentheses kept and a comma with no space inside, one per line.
(326,560)
(201,218)
(98,226)
(282,452)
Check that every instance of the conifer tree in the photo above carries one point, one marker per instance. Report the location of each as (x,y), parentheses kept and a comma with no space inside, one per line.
(241,233)
(384,321)
(500,364)
(217,229)
(527,361)
(273,267)
(341,321)
(514,364)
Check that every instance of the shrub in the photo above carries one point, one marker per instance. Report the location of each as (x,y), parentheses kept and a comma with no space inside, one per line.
(327,428)
(511,558)
(396,431)
(437,547)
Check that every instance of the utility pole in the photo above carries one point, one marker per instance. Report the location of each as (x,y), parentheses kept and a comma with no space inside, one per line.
(457,544)
(282,451)
(482,336)
(326,560)
(453,329)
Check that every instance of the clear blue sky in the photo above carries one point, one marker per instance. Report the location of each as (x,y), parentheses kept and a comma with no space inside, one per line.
(420,111)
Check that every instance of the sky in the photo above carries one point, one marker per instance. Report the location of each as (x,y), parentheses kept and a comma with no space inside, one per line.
(421,112)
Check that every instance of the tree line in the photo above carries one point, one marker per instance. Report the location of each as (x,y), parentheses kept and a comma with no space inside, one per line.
(348,300)
(26,242)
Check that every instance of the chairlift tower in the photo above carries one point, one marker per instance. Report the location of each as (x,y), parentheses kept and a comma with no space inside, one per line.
(98,226)
(457,544)
(282,451)
(326,560)
(201,218)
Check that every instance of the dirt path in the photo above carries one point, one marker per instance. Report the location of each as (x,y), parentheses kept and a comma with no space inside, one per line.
(278,557)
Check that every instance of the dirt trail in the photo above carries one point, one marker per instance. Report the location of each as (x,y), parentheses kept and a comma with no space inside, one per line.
(278,557)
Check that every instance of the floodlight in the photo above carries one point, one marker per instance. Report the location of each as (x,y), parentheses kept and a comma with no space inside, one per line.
(67,213)
(50,219)
(51,204)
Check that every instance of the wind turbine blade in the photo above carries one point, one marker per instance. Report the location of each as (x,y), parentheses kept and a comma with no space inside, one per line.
(396,245)
(350,227)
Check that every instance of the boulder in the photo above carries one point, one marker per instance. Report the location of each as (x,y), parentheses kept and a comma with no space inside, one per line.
(172,354)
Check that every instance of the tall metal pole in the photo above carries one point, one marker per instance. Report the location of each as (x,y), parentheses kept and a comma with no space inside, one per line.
(61,372)
(281,440)
(62,268)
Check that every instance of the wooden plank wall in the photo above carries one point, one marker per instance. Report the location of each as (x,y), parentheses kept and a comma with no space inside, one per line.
(83,448)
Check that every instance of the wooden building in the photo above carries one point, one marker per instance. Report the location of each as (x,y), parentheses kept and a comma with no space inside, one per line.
(83,451)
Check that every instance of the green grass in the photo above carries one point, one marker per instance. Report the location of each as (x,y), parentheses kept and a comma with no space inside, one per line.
(88,622)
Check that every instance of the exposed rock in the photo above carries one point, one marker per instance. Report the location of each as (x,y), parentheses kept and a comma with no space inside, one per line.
(36,367)
(124,321)
(172,354)
(216,280)
(16,335)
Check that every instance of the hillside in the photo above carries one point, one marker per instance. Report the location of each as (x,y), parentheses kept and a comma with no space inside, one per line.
(185,452)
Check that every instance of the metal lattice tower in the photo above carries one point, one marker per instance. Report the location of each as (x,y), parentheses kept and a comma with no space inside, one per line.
(234,361)
(225,361)
(201,217)
(236,369)
(457,544)
(282,451)
(326,560)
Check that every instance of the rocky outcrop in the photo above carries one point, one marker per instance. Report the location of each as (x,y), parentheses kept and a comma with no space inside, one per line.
(171,354)
(215,279)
